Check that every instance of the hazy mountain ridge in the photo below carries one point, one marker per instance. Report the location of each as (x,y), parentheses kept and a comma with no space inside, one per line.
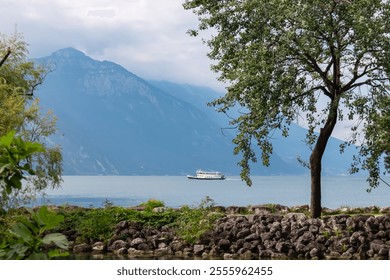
(113,122)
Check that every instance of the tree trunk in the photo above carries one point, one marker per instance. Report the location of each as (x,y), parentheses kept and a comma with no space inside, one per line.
(316,159)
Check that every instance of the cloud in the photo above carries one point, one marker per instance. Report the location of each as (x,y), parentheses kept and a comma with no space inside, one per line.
(147,37)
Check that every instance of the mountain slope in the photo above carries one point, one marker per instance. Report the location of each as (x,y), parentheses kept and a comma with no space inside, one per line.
(113,122)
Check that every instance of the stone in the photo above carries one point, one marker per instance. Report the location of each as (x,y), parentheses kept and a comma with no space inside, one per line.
(252,237)
(283,247)
(377,245)
(198,249)
(177,245)
(82,248)
(117,244)
(224,245)
(143,247)
(99,247)
(315,253)
(163,252)
(135,242)
(244,233)
(121,251)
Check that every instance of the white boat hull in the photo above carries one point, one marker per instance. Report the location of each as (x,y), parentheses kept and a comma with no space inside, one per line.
(204,175)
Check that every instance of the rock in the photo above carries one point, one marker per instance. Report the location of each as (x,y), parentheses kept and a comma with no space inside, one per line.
(118,244)
(121,251)
(227,256)
(135,242)
(122,225)
(377,245)
(177,245)
(99,247)
(243,233)
(315,253)
(163,252)
(82,248)
(198,250)
(252,237)
(143,247)
(224,245)
(372,225)
(283,247)
(346,256)
(159,209)
(306,237)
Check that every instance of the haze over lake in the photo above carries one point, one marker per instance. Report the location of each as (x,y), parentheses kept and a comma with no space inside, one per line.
(175,191)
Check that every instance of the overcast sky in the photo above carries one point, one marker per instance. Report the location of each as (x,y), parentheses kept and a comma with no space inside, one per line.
(148,37)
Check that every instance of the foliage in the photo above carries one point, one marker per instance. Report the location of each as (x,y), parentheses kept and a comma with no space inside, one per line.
(20,112)
(14,163)
(193,223)
(323,61)
(152,203)
(377,140)
(30,237)
(99,223)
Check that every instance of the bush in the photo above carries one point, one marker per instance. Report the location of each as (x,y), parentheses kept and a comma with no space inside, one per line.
(30,236)
(194,222)
(151,204)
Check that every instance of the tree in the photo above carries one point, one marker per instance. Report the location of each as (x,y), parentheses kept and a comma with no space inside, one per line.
(20,112)
(282,60)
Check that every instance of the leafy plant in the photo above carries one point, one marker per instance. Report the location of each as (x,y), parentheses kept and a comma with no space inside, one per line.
(30,237)
(14,162)
(151,204)
(194,222)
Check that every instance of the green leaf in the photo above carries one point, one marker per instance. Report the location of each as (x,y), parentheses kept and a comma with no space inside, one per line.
(57,253)
(23,232)
(47,219)
(58,239)
(17,251)
(7,139)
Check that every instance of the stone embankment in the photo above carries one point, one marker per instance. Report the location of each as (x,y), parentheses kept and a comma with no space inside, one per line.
(259,235)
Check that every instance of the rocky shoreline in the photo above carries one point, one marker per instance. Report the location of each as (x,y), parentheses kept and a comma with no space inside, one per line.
(262,232)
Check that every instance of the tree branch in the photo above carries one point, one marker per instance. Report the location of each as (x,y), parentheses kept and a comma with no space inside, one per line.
(8,53)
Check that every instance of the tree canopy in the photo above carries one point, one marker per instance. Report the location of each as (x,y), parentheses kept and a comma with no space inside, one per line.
(319,60)
(20,112)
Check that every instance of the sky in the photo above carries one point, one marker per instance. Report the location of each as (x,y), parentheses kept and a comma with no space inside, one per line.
(147,37)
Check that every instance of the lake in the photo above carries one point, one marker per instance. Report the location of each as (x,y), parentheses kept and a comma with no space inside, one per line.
(176,191)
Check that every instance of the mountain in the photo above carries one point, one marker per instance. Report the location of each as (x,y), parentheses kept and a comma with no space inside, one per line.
(285,149)
(113,122)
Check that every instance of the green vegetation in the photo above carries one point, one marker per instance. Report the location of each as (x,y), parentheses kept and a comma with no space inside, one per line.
(192,223)
(22,123)
(317,61)
(28,236)
(99,223)
(151,204)
(14,164)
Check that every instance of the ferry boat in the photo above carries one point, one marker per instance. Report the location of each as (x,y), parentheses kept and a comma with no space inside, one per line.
(207,175)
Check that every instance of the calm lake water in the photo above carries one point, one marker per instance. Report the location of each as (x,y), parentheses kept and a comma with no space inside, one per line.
(176,191)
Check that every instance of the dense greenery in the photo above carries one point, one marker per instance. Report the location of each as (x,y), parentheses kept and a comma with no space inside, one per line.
(99,223)
(28,228)
(322,61)
(28,236)
(14,164)
(20,113)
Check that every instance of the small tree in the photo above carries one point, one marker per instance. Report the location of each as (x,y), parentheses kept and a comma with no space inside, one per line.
(20,112)
(283,59)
